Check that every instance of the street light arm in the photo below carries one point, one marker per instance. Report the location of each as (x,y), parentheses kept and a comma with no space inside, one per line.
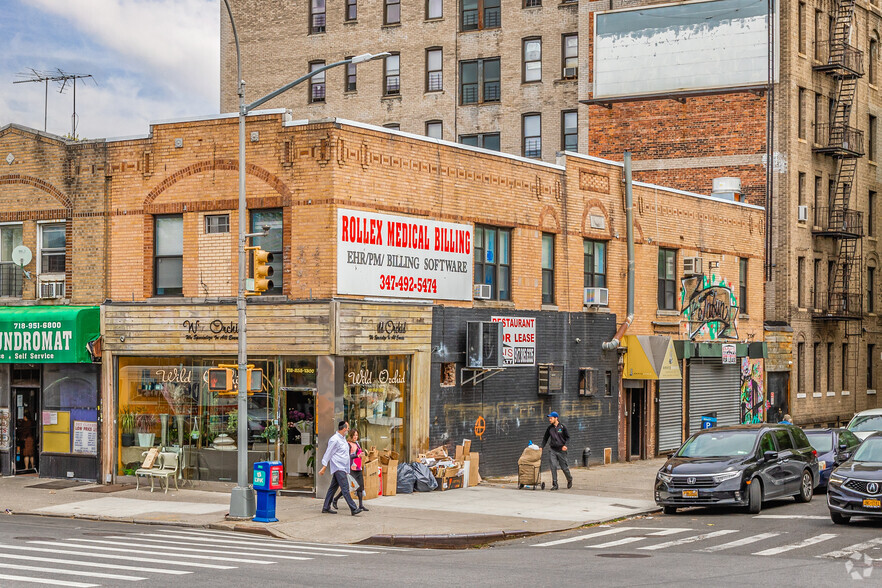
(303,78)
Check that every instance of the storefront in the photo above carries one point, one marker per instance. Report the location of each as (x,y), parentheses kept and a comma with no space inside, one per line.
(49,423)
(160,396)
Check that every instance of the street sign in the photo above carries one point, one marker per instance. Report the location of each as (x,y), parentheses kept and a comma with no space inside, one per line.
(709,420)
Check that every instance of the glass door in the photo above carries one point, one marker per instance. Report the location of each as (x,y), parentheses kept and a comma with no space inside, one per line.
(298,426)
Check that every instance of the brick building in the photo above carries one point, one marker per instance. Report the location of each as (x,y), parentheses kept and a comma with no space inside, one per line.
(337,337)
(53,239)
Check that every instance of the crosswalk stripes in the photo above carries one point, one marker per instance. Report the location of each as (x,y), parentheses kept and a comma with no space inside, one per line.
(629,536)
(169,552)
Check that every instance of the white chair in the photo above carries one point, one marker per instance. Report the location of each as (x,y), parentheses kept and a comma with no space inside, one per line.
(142,471)
(168,468)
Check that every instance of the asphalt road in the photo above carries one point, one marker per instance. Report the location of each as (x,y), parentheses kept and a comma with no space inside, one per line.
(787,544)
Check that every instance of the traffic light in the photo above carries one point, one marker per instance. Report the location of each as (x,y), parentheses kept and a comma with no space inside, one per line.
(263,271)
(255,380)
(220,380)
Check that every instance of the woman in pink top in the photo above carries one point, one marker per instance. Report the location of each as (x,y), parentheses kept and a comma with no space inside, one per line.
(356,454)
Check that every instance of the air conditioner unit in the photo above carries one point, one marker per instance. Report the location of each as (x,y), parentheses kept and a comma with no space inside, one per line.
(49,290)
(692,266)
(483,344)
(802,213)
(596,297)
(483,291)
(570,73)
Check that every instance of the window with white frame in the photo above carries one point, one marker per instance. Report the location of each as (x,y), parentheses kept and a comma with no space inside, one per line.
(532,125)
(434,9)
(52,248)
(532,60)
(392,79)
(434,70)
(168,250)
(10,274)
(217,223)
(317,16)
(434,129)
(317,83)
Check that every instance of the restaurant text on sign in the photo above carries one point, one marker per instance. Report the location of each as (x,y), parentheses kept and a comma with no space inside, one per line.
(518,340)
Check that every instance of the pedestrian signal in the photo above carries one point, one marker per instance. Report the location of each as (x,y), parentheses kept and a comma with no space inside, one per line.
(220,380)
(255,380)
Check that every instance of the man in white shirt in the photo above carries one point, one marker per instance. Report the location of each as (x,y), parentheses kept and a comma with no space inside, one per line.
(337,454)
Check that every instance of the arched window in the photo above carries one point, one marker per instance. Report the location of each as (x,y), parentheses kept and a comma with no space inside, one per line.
(873,57)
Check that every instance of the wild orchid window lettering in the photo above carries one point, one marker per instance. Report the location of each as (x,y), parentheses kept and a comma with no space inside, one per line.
(375,399)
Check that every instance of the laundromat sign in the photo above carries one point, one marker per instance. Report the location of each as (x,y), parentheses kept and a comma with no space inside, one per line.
(48,334)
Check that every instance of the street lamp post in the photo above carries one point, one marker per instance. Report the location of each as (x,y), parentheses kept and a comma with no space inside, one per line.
(242,504)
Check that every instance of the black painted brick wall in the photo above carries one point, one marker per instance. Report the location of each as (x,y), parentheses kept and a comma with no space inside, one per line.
(509,401)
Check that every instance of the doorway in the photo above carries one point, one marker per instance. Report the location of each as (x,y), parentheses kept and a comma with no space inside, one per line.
(636,404)
(26,397)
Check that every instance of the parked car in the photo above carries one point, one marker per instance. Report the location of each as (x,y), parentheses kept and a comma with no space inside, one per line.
(834,446)
(855,487)
(738,466)
(865,423)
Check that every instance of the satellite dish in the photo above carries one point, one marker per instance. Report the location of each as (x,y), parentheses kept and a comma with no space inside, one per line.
(21,256)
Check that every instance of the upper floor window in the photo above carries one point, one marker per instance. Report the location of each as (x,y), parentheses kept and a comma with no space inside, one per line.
(391,75)
(52,248)
(569,130)
(871,288)
(742,284)
(871,138)
(271,243)
(801,25)
(532,125)
(434,129)
(317,83)
(317,16)
(351,77)
(595,264)
(217,223)
(532,60)
(434,9)
(667,279)
(168,251)
(493,260)
(393,126)
(392,12)
(479,81)
(434,70)
(872,69)
(547,268)
(570,56)
(480,14)
(485,140)
(532,3)
(800,113)
(10,274)
(351,10)
(871,214)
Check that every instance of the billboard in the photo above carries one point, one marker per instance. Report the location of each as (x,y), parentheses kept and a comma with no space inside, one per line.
(683,47)
(403,257)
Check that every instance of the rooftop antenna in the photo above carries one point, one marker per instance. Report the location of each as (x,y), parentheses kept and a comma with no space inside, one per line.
(62,78)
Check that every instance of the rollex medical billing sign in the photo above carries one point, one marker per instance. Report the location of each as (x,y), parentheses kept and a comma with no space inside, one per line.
(408,257)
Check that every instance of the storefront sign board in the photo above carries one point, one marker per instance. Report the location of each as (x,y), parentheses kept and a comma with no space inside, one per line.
(403,257)
(56,334)
(518,340)
(85,438)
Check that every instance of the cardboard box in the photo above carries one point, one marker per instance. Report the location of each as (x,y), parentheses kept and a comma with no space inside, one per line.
(439,452)
(390,477)
(462,451)
(474,476)
(387,455)
(450,482)
(371,473)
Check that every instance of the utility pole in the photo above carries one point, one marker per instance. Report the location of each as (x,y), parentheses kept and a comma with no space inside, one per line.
(58,76)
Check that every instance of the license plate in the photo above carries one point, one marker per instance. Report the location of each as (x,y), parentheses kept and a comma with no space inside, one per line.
(694,494)
(870,503)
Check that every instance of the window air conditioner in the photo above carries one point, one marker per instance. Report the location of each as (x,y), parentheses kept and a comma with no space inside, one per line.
(483,344)
(483,291)
(49,290)
(692,266)
(802,213)
(570,72)
(596,297)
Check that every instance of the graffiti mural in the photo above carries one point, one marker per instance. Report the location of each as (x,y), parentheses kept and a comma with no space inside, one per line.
(753,398)
(710,307)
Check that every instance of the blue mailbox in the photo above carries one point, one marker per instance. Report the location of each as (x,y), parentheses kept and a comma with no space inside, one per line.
(268,476)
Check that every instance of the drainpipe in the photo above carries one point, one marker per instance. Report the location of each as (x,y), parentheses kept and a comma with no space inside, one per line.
(629,221)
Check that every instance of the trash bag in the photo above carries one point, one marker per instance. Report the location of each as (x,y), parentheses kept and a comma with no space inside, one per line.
(532,455)
(406,479)
(425,481)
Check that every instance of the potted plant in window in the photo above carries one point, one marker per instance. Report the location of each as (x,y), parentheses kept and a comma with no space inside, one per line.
(127,426)
(144,422)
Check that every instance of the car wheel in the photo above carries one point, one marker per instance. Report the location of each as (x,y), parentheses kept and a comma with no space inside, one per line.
(838,518)
(805,488)
(754,497)
(670,510)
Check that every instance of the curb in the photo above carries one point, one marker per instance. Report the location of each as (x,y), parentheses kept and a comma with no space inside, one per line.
(106,519)
(472,540)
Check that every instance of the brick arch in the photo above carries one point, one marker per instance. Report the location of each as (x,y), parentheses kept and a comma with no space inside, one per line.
(548,211)
(43,185)
(586,228)
(220,165)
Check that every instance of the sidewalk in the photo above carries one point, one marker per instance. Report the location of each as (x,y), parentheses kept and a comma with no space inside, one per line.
(456,518)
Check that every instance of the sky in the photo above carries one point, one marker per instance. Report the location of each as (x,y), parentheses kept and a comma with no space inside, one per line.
(151,60)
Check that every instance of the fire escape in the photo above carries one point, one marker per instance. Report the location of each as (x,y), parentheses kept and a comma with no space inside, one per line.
(845,145)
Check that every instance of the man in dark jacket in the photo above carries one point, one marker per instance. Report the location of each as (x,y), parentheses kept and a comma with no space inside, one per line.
(559,437)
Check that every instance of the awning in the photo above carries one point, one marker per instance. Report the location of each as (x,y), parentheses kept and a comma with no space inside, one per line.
(650,357)
(48,334)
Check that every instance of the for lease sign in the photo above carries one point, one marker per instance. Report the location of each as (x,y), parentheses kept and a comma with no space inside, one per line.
(518,339)
(406,257)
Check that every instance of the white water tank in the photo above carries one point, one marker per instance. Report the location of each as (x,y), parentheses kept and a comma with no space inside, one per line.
(727,188)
